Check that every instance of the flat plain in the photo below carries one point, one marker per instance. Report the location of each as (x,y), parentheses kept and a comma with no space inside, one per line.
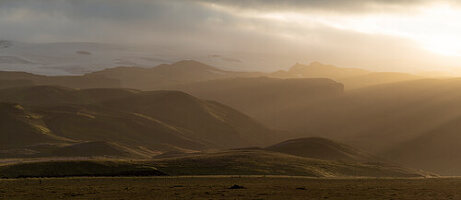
(218,187)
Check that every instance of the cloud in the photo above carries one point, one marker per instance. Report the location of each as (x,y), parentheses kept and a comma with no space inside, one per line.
(344,6)
(97,19)
(235,27)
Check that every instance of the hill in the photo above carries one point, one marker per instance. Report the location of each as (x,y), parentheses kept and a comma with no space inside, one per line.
(413,122)
(437,150)
(265,98)
(13,79)
(231,162)
(321,148)
(77,168)
(90,149)
(20,127)
(15,83)
(169,76)
(147,123)
(210,121)
(317,69)
(166,75)
(259,162)
(58,95)
(352,78)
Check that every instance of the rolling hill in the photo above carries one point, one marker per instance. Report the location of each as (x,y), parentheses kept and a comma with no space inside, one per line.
(14,79)
(230,162)
(20,127)
(265,98)
(170,76)
(88,149)
(259,162)
(437,150)
(413,122)
(167,75)
(146,123)
(77,168)
(57,95)
(321,148)
(15,83)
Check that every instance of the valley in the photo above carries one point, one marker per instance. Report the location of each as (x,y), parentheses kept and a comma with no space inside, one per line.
(189,112)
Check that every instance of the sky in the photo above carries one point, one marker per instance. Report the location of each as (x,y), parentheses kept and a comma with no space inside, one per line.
(382,35)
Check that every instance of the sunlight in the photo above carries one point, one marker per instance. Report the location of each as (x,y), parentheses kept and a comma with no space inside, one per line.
(434,27)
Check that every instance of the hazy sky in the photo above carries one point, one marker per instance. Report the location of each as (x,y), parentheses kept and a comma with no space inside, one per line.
(384,35)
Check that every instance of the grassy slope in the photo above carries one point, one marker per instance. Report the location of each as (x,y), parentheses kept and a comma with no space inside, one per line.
(321,148)
(234,162)
(20,127)
(77,168)
(258,162)
(146,121)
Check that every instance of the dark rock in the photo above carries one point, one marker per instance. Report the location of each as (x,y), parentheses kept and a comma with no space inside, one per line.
(237,187)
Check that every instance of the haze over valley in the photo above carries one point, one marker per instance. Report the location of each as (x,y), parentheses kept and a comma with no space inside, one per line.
(230,99)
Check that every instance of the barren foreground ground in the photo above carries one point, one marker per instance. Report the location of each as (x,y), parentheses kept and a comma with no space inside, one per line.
(218,188)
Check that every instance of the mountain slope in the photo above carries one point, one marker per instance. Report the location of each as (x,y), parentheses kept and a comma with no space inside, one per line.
(265,98)
(57,95)
(352,78)
(165,76)
(147,123)
(437,150)
(90,149)
(6,77)
(321,148)
(414,122)
(20,127)
(15,83)
(77,168)
(258,162)
(316,69)
(213,121)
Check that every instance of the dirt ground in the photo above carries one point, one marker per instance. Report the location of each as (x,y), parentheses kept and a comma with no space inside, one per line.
(218,188)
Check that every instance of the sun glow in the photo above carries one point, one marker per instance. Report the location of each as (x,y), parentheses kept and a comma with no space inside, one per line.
(435,27)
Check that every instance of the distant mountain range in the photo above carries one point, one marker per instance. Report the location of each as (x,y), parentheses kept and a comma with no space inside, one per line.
(401,117)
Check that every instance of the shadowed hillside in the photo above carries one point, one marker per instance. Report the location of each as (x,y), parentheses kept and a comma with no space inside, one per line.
(90,149)
(147,123)
(20,127)
(15,83)
(210,121)
(57,95)
(321,148)
(313,157)
(259,162)
(77,168)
